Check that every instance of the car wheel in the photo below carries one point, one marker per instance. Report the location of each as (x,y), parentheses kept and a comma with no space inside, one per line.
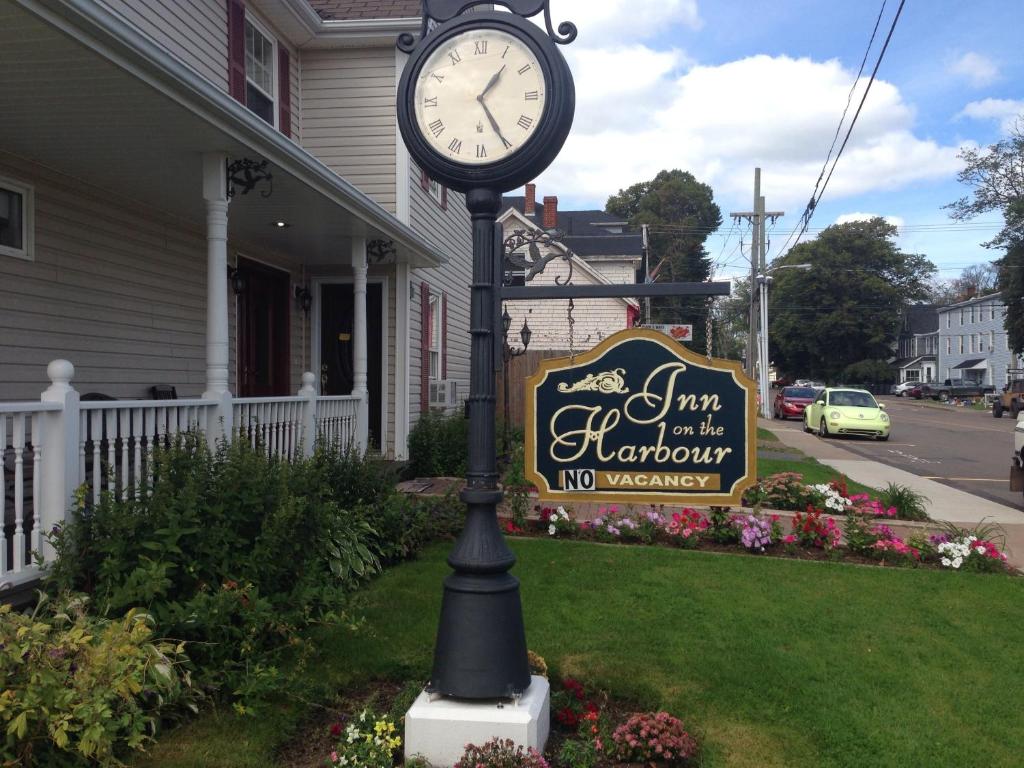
(822,428)
(1014,409)
(944,397)
(883,438)
(807,427)
(997,409)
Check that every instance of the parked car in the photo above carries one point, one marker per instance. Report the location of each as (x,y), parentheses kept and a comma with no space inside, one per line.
(838,411)
(952,388)
(901,390)
(791,401)
(1010,399)
(1017,460)
(803,383)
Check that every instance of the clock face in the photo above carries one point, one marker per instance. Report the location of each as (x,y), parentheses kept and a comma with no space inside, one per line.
(479,97)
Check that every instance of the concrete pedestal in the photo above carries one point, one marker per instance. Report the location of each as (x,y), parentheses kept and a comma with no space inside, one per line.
(439,728)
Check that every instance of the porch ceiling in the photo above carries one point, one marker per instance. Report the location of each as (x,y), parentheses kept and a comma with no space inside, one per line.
(85,95)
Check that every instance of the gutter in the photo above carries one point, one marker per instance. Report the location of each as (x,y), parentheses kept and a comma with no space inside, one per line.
(88,23)
(348,31)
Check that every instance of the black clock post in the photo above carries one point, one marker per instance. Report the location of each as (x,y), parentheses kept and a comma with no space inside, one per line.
(480,651)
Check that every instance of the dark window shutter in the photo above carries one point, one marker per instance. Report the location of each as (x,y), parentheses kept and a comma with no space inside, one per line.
(444,198)
(284,90)
(424,347)
(444,335)
(236,49)
(424,180)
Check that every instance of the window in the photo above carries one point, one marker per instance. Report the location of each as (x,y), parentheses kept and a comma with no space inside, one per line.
(981,342)
(913,375)
(991,341)
(949,345)
(948,318)
(259,71)
(991,311)
(435,336)
(16,217)
(972,313)
(435,189)
(961,317)
(961,344)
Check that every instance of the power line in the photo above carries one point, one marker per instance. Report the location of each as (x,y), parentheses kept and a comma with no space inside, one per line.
(816,198)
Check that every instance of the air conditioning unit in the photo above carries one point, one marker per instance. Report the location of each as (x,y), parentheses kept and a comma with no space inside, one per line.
(444,394)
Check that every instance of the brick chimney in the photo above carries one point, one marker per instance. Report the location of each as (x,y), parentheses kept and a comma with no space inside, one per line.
(551,212)
(530,208)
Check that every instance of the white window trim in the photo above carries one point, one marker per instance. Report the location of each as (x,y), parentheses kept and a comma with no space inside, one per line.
(275,53)
(28,196)
(436,342)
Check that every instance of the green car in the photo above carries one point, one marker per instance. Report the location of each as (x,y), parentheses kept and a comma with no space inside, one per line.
(847,412)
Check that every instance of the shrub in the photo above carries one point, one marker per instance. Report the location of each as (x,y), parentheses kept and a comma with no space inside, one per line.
(970,549)
(438,446)
(909,504)
(570,704)
(654,737)
(501,753)
(810,530)
(755,532)
(784,490)
(82,690)
(235,552)
(721,529)
(367,742)
(685,528)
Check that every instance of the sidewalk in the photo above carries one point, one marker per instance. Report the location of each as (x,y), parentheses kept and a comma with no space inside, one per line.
(946,504)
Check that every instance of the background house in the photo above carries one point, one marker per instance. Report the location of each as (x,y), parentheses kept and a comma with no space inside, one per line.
(973,344)
(917,344)
(601,251)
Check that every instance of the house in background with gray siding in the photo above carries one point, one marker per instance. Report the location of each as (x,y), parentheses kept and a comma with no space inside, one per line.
(126,256)
(973,344)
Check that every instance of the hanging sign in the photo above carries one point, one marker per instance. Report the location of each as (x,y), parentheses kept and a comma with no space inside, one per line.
(676,331)
(641,419)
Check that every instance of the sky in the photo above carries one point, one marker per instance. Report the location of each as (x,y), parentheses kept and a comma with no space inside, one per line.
(719,87)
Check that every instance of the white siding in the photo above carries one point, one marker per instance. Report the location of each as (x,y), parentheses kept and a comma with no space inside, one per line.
(449,231)
(117,289)
(348,116)
(196,31)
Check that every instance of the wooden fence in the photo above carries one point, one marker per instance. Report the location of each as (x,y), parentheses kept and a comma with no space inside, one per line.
(518,369)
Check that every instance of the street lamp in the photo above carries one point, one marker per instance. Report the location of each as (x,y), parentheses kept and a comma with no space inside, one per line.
(763,281)
(507,353)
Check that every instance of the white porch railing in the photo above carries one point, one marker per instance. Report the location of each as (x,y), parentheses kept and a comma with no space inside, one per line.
(53,447)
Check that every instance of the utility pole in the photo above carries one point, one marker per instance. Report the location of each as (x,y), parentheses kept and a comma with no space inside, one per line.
(757,343)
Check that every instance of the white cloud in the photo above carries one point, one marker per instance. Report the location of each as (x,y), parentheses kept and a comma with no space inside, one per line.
(711,121)
(1006,111)
(977,69)
(604,22)
(846,218)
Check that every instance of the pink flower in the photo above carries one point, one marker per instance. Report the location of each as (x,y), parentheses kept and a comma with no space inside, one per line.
(789,539)
(687,532)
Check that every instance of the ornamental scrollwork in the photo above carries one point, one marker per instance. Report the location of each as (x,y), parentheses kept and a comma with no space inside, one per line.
(533,262)
(607,383)
(244,174)
(381,251)
(436,12)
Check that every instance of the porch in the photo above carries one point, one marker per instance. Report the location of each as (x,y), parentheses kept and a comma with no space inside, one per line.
(60,450)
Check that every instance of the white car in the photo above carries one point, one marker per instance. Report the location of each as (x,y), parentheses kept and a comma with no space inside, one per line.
(900,390)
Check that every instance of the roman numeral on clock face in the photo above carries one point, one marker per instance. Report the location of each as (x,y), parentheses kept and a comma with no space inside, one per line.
(479,47)
(454,56)
(506,142)
(524,122)
(531,96)
(524,69)
(481,150)
(439,78)
(431,102)
(455,146)
(436,128)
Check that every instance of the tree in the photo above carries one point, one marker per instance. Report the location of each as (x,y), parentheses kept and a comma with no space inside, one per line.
(997,176)
(846,307)
(975,280)
(681,213)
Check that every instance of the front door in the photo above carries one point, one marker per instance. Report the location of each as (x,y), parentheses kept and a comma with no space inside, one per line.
(336,360)
(263,331)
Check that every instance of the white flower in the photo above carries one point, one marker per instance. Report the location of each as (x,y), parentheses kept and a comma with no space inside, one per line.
(957,562)
(980,550)
(947,562)
(551,530)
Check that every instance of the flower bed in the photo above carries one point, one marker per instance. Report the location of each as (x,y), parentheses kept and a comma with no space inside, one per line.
(831,523)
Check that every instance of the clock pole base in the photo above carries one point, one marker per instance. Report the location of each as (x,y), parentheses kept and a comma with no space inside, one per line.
(438,728)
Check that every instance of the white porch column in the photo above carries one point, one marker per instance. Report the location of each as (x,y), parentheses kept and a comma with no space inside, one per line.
(359,361)
(215,195)
(402,300)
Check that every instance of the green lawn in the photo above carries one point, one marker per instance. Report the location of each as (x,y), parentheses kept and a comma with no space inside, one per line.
(777,662)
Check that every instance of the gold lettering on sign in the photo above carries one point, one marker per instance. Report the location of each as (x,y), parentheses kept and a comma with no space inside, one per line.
(654,401)
(608,383)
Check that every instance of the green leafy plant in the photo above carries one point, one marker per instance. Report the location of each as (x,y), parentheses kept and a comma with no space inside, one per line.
(438,446)
(501,753)
(720,526)
(654,738)
(83,690)
(909,504)
(368,741)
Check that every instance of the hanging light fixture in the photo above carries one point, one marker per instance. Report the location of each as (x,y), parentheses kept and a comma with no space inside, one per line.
(525,333)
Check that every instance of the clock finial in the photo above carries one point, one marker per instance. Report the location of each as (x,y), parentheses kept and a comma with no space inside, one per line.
(436,12)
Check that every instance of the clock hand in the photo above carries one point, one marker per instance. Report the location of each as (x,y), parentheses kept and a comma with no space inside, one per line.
(494,124)
(491,83)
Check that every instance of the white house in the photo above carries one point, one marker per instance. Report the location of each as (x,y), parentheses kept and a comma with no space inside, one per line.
(973,343)
(600,253)
(127,250)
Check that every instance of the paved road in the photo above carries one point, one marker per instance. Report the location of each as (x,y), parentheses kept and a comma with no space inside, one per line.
(965,449)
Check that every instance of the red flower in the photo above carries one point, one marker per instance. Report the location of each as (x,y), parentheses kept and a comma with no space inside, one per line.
(336,729)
